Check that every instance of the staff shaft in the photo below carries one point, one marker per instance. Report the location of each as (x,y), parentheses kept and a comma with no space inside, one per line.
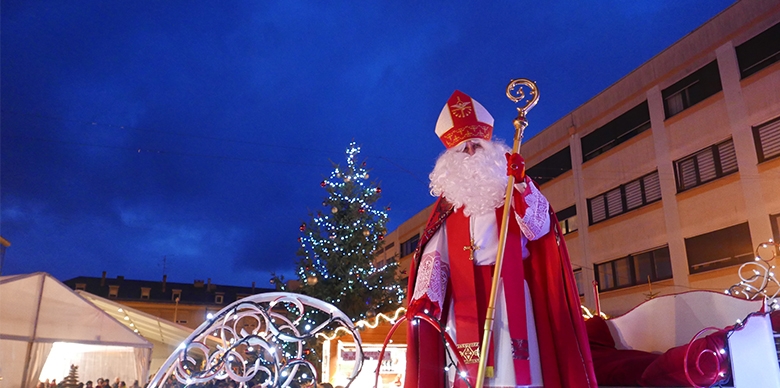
(520,123)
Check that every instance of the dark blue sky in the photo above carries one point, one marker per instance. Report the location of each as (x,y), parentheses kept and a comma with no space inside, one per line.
(199,132)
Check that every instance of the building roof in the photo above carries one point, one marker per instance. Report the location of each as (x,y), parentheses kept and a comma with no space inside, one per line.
(197,292)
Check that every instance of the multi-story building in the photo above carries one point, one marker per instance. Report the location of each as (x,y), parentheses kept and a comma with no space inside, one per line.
(667,180)
(187,304)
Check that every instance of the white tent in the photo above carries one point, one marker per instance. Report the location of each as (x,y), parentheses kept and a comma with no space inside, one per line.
(165,335)
(45,323)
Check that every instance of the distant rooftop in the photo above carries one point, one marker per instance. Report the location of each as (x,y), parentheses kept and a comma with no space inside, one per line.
(197,292)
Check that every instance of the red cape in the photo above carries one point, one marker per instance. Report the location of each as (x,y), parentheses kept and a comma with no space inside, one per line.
(560,329)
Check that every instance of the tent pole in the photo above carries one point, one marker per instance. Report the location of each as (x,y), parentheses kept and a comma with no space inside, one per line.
(35,332)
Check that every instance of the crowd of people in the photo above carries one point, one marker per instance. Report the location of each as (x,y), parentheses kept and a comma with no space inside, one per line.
(100,383)
(106,383)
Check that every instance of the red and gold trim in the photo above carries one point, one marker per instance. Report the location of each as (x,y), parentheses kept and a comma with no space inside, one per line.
(456,136)
(469,352)
(463,119)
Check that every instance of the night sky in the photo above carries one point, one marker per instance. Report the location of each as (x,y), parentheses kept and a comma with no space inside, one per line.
(190,138)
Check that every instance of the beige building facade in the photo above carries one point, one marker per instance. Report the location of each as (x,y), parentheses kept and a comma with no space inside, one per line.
(668,180)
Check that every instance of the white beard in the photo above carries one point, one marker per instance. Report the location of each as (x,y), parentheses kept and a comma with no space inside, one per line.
(477,181)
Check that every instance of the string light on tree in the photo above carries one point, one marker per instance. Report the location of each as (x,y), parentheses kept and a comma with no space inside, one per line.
(338,246)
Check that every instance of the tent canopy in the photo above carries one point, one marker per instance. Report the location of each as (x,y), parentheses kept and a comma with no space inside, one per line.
(152,328)
(165,335)
(37,310)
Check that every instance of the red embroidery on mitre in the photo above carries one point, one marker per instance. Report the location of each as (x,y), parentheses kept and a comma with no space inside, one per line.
(465,119)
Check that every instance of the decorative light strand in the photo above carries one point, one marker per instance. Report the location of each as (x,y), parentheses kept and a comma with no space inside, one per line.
(263,338)
(364,323)
(757,277)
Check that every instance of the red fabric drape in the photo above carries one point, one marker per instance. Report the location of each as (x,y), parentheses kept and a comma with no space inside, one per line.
(563,342)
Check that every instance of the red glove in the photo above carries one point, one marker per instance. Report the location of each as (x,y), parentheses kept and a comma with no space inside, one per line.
(515,166)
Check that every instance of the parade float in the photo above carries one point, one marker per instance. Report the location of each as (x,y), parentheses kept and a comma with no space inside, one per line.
(697,338)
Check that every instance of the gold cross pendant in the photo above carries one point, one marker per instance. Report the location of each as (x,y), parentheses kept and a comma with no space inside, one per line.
(471,248)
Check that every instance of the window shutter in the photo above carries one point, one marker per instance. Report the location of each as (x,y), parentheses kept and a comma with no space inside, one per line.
(686,171)
(706,164)
(633,195)
(652,187)
(769,139)
(597,211)
(728,157)
(614,202)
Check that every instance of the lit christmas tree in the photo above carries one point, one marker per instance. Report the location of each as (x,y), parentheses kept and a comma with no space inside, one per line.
(336,258)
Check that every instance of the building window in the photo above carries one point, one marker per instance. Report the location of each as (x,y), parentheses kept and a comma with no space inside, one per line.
(623,198)
(81,286)
(176,295)
(408,246)
(622,128)
(711,163)
(567,219)
(767,139)
(692,89)
(759,52)
(219,298)
(113,291)
(579,281)
(635,269)
(718,249)
(552,167)
(774,219)
(145,291)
